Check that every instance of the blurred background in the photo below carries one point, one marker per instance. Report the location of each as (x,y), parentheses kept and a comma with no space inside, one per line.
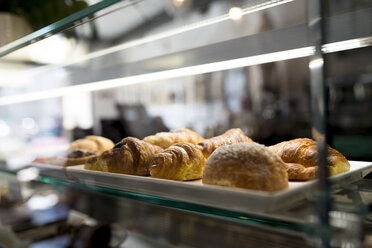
(136,67)
(269,101)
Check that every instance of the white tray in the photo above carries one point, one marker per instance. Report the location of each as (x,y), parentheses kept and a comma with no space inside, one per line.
(235,199)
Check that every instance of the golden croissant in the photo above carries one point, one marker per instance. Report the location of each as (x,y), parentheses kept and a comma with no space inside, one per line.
(92,143)
(179,162)
(304,152)
(129,156)
(80,151)
(231,136)
(166,139)
(298,172)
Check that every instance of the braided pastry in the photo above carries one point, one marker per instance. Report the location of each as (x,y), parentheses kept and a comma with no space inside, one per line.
(304,152)
(231,136)
(179,162)
(129,156)
(166,139)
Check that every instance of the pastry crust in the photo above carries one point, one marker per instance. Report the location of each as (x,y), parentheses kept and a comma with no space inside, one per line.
(80,151)
(92,143)
(231,136)
(65,161)
(129,156)
(179,162)
(246,165)
(298,172)
(166,139)
(303,151)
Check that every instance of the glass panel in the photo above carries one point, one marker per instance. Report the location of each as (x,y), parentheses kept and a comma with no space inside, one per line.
(109,56)
(46,17)
(66,211)
(131,50)
(137,68)
(265,101)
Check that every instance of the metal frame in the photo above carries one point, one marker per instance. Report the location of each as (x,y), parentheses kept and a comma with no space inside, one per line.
(319,103)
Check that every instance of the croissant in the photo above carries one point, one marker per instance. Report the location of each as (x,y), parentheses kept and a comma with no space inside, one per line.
(298,172)
(74,157)
(166,139)
(92,143)
(231,136)
(304,152)
(129,156)
(80,151)
(179,162)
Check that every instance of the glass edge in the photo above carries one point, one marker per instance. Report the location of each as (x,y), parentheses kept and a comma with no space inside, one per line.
(229,215)
(54,27)
(209,211)
(7,171)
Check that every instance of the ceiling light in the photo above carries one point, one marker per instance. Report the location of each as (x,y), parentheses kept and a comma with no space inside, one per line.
(178,3)
(236,13)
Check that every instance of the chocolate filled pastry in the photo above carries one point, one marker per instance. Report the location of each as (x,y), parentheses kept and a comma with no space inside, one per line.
(166,139)
(231,136)
(246,165)
(179,162)
(74,157)
(303,152)
(78,156)
(129,156)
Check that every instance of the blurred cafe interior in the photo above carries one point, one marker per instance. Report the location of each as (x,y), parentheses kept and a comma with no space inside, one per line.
(240,76)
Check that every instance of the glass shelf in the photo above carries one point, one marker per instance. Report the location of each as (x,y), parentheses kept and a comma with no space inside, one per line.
(185,49)
(295,222)
(253,219)
(290,218)
(56,27)
(185,206)
(71,21)
(135,61)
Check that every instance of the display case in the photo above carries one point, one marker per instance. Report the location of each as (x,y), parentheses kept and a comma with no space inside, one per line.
(276,69)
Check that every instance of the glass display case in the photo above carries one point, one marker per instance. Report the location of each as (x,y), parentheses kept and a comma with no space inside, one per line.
(276,69)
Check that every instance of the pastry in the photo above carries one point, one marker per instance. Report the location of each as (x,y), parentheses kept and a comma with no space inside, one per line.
(246,165)
(92,143)
(80,151)
(298,172)
(166,139)
(129,156)
(231,136)
(303,151)
(74,157)
(179,162)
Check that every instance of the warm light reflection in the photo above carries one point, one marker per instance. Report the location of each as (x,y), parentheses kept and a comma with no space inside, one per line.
(178,3)
(316,63)
(236,13)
